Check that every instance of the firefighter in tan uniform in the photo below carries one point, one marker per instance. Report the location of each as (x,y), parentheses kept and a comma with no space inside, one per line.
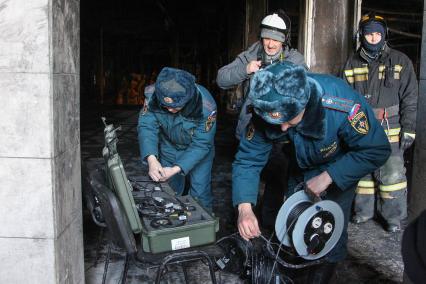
(387,80)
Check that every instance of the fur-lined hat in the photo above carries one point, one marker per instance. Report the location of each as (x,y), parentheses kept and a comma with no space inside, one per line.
(174,87)
(279,92)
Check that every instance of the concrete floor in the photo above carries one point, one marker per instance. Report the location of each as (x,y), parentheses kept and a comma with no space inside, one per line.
(374,255)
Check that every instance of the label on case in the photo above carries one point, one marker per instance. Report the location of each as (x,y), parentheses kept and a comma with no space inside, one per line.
(180,243)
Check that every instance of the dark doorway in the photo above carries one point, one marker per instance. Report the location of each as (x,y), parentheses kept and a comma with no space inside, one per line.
(127,41)
(292,9)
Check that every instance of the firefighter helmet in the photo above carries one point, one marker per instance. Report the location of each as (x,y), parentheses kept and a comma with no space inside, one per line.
(370,17)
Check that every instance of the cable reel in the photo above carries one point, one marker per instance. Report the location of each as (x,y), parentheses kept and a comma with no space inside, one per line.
(311,228)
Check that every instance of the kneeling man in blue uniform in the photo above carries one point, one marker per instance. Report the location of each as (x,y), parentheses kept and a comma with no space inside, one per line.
(176,133)
(333,137)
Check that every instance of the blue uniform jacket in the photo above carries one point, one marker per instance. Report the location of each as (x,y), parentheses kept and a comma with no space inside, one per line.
(338,133)
(184,138)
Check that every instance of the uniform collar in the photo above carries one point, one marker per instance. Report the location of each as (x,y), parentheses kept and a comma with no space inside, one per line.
(313,122)
(194,108)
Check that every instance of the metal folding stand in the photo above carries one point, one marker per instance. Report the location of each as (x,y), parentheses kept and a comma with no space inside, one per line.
(182,258)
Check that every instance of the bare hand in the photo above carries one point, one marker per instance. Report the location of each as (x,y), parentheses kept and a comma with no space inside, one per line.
(156,171)
(319,183)
(247,222)
(169,172)
(253,66)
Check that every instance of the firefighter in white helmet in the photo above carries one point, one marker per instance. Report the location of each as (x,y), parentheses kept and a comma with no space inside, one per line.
(272,47)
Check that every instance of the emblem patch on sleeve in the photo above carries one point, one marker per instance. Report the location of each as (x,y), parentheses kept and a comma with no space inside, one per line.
(144,108)
(250,132)
(359,122)
(209,125)
(210,121)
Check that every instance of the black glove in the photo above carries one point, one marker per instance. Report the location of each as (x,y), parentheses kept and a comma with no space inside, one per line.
(406,140)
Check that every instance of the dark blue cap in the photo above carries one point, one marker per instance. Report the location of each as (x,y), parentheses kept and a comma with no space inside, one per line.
(174,87)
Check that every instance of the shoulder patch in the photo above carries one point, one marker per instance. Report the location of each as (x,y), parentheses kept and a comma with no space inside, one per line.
(359,122)
(144,108)
(208,125)
(210,120)
(336,103)
(250,132)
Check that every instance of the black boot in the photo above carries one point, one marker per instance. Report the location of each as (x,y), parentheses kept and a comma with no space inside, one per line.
(321,274)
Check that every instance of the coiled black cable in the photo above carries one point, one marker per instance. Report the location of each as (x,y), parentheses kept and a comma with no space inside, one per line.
(295,214)
(262,269)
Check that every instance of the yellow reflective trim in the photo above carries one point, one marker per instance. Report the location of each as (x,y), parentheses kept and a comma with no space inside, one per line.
(361,70)
(381,75)
(360,78)
(412,135)
(366,183)
(381,68)
(364,190)
(393,139)
(350,80)
(349,72)
(386,195)
(398,68)
(393,187)
(393,131)
(396,75)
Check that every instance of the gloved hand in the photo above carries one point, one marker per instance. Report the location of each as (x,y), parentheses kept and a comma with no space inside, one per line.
(406,140)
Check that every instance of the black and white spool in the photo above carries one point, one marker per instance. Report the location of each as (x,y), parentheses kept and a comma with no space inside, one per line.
(311,228)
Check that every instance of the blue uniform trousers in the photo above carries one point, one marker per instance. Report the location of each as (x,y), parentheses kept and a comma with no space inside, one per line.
(199,180)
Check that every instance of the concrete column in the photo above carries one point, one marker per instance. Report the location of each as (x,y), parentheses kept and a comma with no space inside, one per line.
(326,34)
(417,202)
(40,189)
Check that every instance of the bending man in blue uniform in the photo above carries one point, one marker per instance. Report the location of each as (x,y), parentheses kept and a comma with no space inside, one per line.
(176,133)
(334,141)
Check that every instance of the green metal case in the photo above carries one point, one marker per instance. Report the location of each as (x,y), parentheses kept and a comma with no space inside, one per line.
(200,229)
(120,184)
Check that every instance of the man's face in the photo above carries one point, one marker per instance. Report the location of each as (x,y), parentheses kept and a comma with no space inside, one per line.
(373,38)
(292,123)
(271,46)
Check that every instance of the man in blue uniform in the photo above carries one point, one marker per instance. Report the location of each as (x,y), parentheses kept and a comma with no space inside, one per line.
(176,133)
(272,47)
(334,141)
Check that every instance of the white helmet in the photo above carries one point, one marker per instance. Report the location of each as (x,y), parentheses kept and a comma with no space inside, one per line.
(274,27)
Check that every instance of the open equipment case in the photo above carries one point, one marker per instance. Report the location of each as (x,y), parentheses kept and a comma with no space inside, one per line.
(165,221)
